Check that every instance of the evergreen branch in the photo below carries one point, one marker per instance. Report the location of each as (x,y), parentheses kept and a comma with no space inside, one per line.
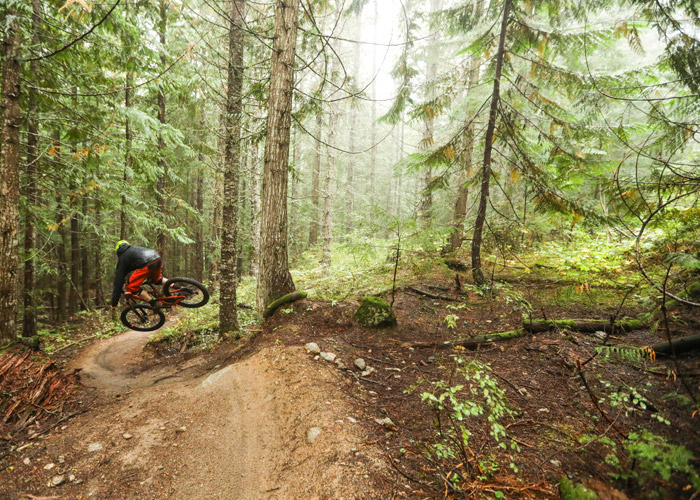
(75,40)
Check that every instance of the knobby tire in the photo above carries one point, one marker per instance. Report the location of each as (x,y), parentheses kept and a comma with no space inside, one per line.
(130,318)
(200,294)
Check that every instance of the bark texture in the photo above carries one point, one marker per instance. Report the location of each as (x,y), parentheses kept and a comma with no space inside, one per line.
(128,135)
(316,183)
(352,130)
(9,182)
(162,165)
(99,291)
(29,328)
(373,134)
(477,272)
(275,279)
(328,193)
(228,318)
(62,244)
(198,267)
(255,211)
(74,294)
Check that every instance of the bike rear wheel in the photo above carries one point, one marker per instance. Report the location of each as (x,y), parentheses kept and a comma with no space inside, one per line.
(142,318)
(195,294)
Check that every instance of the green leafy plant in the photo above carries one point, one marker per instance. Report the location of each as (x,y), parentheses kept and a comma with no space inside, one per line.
(451,321)
(629,399)
(479,400)
(651,457)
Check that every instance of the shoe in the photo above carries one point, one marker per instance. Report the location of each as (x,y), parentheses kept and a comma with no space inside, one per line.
(155,305)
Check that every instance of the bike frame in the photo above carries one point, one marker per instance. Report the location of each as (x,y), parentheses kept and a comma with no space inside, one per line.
(166,301)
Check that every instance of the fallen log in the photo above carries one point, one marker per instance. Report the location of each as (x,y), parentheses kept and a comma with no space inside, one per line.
(583,325)
(537,326)
(469,343)
(285,299)
(680,345)
(433,295)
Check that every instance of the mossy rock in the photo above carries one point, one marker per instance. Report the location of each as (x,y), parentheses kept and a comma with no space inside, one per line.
(571,491)
(375,313)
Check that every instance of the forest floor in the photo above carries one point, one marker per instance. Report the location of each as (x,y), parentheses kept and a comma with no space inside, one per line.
(265,419)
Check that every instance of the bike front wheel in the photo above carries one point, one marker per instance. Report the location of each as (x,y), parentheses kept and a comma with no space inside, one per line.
(142,318)
(193,292)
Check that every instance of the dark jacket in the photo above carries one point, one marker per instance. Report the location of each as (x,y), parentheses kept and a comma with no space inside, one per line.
(131,258)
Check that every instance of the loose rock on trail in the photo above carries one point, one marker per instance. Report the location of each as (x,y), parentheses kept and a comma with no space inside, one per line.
(189,431)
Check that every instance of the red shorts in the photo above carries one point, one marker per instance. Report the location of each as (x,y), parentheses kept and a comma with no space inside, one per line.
(152,272)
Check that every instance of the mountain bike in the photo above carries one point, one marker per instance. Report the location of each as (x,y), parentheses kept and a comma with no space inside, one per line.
(140,316)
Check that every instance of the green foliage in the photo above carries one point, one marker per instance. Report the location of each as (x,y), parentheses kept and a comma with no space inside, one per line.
(451,321)
(652,457)
(586,256)
(632,355)
(683,260)
(571,491)
(365,266)
(589,438)
(478,401)
(630,399)
(200,327)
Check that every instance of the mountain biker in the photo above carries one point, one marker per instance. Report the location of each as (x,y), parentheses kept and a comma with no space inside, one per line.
(135,265)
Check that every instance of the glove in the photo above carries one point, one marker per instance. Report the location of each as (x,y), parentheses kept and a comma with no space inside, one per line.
(115,315)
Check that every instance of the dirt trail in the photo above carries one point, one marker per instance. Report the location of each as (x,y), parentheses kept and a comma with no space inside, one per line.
(237,432)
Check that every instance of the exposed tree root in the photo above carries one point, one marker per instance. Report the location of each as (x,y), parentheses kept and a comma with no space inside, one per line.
(285,299)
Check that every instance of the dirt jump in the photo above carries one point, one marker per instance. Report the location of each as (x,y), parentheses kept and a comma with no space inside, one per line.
(273,425)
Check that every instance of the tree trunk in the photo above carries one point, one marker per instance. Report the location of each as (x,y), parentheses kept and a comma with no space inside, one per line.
(460,210)
(255,211)
(162,165)
(328,188)
(242,196)
(316,183)
(294,219)
(73,295)
(275,279)
(29,318)
(399,181)
(199,206)
(62,275)
(216,226)
(128,135)
(352,130)
(99,292)
(228,320)
(373,134)
(477,272)
(9,180)
(84,256)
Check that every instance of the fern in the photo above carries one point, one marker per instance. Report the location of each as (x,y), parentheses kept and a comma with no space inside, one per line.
(683,260)
(627,353)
